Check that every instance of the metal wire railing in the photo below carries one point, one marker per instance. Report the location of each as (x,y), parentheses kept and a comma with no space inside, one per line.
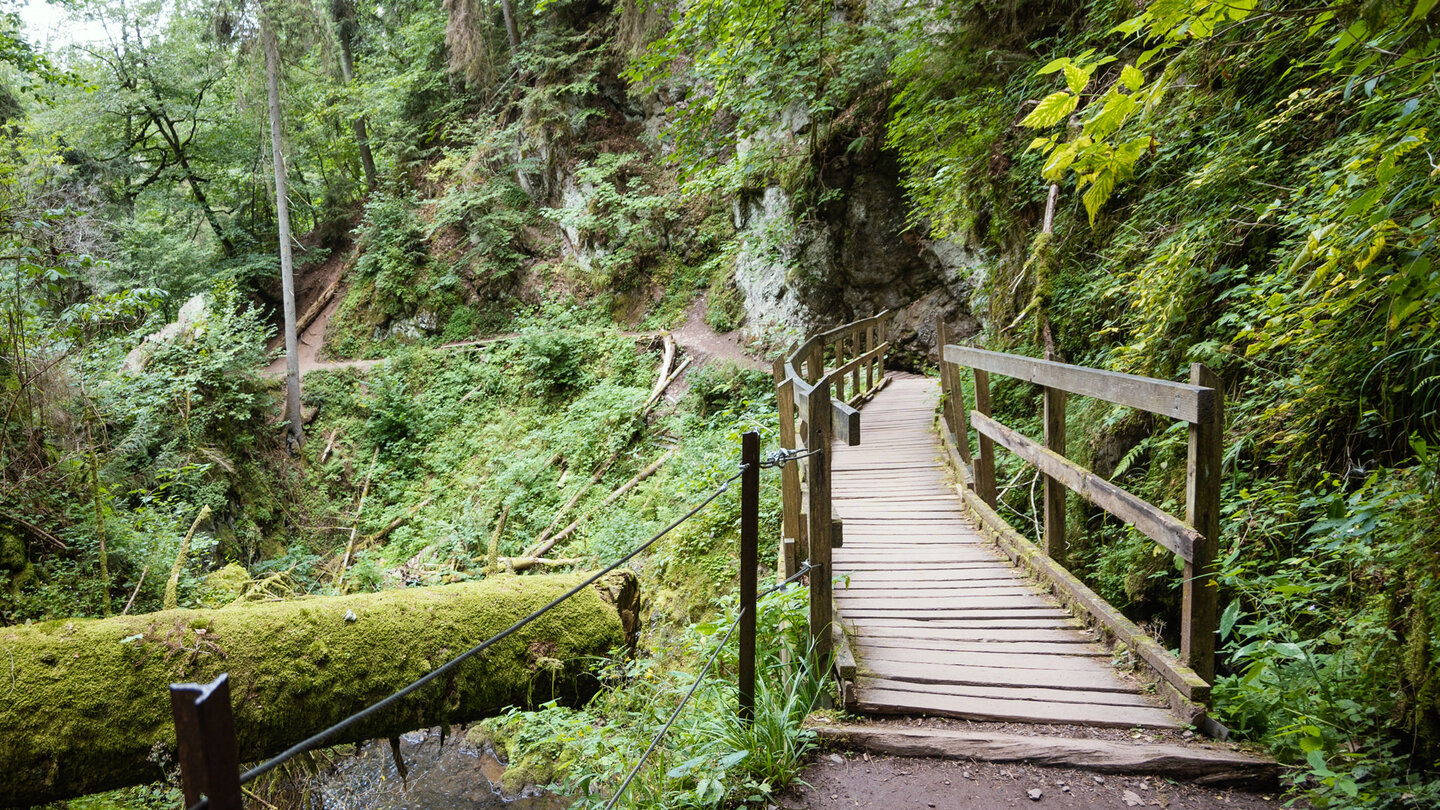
(205,728)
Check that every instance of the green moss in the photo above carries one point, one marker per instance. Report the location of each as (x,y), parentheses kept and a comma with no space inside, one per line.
(224,586)
(89,698)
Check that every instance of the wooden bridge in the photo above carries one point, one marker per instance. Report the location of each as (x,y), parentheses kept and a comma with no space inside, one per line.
(930,602)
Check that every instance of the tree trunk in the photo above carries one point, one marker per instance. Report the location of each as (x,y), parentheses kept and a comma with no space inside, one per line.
(282,215)
(87,700)
(344,13)
(512,32)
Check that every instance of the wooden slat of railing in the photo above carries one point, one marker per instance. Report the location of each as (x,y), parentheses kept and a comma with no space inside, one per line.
(1147,519)
(1192,403)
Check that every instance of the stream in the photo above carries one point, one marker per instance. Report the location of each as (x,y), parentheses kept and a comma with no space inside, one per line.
(455,777)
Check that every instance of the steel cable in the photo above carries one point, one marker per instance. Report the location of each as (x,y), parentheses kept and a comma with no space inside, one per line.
(315,740)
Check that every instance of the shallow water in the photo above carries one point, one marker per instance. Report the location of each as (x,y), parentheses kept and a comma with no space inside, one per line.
(455,777)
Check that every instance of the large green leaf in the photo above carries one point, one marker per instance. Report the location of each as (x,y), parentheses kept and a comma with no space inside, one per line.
(1051,110)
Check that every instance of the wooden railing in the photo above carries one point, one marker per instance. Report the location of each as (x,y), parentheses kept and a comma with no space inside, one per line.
(1199,402)
(816,406)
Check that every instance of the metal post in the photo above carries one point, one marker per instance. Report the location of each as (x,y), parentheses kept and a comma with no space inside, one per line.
(749,565)
(205,729)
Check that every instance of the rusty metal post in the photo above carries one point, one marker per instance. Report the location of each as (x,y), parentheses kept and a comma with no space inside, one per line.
(749,565)
(205,729)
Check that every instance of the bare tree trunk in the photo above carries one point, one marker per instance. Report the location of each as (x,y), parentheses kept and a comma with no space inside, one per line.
(344,13)
(282,214)
(511,30)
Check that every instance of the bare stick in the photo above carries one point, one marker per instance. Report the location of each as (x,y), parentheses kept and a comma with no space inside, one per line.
(171,600)
(544,542)
(666,384)
(396,523)
(661,380)
(329,446)
(359,510)
(143,572)
(616,495)
(518,564)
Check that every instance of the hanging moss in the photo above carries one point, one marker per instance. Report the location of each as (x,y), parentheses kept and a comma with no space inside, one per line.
(87,701)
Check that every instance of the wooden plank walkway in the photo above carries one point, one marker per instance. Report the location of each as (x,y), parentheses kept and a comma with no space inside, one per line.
(939,621)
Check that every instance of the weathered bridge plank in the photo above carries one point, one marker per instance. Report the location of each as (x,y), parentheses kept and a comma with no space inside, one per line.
(938,620)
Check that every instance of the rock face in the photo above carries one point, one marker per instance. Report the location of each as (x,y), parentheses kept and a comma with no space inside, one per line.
(188,323)
(851,257)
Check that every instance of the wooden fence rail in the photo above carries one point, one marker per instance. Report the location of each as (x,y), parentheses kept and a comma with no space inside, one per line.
(817,405)
(1198,402)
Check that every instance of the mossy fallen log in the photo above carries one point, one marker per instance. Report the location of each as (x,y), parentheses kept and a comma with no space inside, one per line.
(85,706)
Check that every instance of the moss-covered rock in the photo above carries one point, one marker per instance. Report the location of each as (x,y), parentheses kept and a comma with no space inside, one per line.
(88,700)
(225,586)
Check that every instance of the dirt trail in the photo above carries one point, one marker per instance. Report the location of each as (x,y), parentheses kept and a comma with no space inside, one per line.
(892,783)
(695,337)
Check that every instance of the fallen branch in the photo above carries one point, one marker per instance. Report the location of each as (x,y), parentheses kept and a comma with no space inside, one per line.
(143,572)
(661,389)
(518,564)
(545,542)
(359,510)
(173,585)
(314,311)
(616,495)
(329,446)
(396,523)
(36,530)
(663,379)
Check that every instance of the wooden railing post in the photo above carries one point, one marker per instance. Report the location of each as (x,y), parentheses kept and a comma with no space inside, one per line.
(789,474)
(858,348)
(985,461)
(871,343)
(205,730)
(815,363)
(749,563)
(1055,492)
(818,485)
(1202,511)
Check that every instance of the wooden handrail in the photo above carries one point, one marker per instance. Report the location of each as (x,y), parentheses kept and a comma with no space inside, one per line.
(1149,520)
(1191,403)
(817,405)
(1199,402)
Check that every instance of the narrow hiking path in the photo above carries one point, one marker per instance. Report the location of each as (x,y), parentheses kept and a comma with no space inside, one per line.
(698,339)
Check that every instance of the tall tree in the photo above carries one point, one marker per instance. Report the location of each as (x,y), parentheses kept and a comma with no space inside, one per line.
(344,13)
(282,215)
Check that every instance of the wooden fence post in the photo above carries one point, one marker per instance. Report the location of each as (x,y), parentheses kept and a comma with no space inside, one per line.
(1055,492)
(1202,511)
(985,461)
(818,484)
(789,474)
(749,563)
(205,729)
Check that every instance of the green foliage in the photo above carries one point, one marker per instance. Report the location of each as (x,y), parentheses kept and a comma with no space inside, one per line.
(393,255)
(709,758)
(1275,223)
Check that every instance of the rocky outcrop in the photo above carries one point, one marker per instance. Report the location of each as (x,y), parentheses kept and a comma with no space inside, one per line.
(851,256)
